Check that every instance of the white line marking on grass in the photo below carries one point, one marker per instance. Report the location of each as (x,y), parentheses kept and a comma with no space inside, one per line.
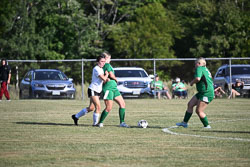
(167,130)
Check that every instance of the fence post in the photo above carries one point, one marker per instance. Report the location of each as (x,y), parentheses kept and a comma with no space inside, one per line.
(17,78)
(82,80)
(154,78)
(230,75)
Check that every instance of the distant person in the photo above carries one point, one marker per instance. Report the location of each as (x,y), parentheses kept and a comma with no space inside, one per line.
(236,88)
(158,87)
(94,92)
(179,89)
(218,91)
(5,76)
(204,86)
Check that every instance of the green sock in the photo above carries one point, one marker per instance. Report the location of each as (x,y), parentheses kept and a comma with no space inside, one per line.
(187,116)
(103,116)
(204,121)
(122,114)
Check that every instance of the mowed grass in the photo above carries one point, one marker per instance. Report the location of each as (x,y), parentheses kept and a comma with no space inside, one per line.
(38,133)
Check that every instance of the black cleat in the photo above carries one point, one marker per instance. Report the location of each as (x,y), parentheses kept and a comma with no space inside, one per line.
(75,119)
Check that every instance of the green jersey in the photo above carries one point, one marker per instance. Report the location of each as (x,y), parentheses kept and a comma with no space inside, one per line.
(179,86)
(157,84)
(205,85)
(112,83)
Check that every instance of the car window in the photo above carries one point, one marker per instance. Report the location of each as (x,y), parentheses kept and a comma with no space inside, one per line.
(130,73)
(49,75)
(28,75)
(240,70)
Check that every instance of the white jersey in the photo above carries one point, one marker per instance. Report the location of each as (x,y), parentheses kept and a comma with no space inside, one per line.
(96,83)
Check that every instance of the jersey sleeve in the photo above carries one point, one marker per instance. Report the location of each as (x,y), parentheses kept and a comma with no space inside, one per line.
(198,72)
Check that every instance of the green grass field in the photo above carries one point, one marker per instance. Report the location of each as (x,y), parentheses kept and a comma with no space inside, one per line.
(40,133)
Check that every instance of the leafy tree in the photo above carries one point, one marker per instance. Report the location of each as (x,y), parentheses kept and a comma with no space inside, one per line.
(212,29)
(150,35)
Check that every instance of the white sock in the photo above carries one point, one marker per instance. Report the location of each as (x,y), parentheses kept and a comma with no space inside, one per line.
(95,118)
(81,113)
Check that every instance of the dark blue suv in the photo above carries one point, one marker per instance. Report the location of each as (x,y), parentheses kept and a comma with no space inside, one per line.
(46,83)
(239,71)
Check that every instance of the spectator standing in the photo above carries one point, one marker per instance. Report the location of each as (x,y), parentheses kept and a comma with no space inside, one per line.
(5,75)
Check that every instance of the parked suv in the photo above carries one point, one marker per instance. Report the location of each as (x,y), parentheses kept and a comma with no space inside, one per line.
(132,81)
(239,71)
(44,83)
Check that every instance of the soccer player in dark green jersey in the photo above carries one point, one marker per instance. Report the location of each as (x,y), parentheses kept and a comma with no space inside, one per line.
(204,86)
(111,93)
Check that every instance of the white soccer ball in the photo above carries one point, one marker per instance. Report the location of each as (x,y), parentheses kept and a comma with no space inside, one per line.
(142,124)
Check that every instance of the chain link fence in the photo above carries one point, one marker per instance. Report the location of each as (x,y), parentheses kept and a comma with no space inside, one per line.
(81,70)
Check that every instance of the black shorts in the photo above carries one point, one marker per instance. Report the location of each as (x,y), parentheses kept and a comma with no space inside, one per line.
(93,93)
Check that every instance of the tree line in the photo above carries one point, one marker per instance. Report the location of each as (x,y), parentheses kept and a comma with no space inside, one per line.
(76,29)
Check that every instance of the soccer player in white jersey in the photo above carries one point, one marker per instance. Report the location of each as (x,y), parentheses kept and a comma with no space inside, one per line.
(94,92)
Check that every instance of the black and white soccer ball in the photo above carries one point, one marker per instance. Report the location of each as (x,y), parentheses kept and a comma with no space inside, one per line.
(142,124)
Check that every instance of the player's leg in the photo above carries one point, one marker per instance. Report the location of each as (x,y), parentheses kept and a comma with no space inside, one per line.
(84,111)
(105,112)
(120,101)
(201,106)
(193,102)
(97,107)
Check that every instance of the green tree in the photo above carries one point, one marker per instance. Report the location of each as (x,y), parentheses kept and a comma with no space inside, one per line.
(150,35)
(211,29)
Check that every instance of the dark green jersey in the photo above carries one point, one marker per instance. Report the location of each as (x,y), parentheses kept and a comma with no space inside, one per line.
(112,83)
(205,85)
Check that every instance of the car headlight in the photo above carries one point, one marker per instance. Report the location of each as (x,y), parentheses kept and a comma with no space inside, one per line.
(70,86)
(38,85)
(119,83)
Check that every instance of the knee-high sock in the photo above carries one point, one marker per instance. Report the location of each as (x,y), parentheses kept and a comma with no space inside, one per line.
(103,116)
(81,113)
(95,118)
(187,116)
(122,114)
(204,121)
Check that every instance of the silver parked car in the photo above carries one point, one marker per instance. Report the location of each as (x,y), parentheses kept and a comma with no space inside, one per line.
(239,71)
(46,83)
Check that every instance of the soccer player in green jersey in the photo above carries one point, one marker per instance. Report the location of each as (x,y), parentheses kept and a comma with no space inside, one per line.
(204,86)
(111,93)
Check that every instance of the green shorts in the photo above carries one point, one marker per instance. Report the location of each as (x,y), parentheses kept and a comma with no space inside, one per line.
(204,97)
(111,94)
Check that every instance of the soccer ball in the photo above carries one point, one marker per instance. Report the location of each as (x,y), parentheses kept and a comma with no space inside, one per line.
(142,124)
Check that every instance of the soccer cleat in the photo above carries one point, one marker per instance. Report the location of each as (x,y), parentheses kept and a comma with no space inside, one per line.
(123,124)
(9,100)
(75,119)
(207,127)
(100,125)
(184,124)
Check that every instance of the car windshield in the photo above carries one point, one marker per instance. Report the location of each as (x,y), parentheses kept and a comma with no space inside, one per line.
(49,75)
(130,73)
(240,70)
